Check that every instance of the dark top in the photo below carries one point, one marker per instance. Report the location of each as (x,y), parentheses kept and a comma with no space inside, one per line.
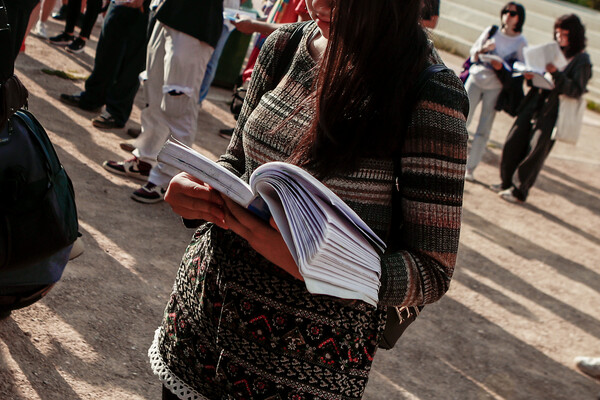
(202,19)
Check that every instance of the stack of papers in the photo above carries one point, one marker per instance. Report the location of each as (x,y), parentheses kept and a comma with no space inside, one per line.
(536,59)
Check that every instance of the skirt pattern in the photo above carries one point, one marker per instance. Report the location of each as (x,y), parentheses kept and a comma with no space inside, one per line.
(237,327)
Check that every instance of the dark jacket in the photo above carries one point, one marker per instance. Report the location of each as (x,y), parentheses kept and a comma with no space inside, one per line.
(202,19)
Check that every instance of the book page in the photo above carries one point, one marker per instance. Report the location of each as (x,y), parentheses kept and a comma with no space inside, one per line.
(488,58)
(184,158)
(537,57)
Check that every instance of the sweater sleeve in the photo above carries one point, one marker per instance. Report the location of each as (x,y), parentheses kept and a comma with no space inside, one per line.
(432,173)
(262,81)
(574,84)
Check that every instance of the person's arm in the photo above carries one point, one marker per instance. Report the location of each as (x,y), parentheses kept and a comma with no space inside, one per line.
(481,45)
(433,169)
(574,85)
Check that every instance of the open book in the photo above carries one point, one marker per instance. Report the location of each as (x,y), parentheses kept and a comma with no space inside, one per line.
(335,250)
(536,59)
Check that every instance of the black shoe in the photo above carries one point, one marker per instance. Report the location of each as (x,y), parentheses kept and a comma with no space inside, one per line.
(62,39)
(61,15)
(106,121)
(76,46)
(75,101)
(134,132)
(226,133)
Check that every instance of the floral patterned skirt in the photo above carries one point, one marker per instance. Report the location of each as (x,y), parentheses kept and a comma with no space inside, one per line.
(237,327)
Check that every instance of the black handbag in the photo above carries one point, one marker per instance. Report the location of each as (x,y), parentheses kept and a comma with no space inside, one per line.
(399,318)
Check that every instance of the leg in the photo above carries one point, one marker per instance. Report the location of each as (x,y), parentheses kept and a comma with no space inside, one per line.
(531,166)
(108,58)
(475,93)
(515,149)
(121,94)
(185,64)
(92,10)
(484,128)
(72,13)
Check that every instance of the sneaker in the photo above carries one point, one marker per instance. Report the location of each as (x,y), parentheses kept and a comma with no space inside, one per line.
(106,121)
(149,194)
(134,132)
(75,101)
(497,188)
(62,39)
(40,30)
(469,176)
(589,366)
(134,168)
(61,15)
(127,146)
(77,249)
(76,46)
(509,196)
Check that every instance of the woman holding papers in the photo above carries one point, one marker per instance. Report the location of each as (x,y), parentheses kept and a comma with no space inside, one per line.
(530,139)
(483,84)
(240,322)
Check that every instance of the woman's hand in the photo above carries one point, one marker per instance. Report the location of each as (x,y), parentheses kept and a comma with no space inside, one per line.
(194,199)
(528,75)
(263,237)
(488,46)
(551,68)
(244,25)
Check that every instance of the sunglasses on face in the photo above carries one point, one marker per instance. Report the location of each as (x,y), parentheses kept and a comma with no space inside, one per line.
(510,12)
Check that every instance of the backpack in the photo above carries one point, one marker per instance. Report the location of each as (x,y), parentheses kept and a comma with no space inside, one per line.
(38,216)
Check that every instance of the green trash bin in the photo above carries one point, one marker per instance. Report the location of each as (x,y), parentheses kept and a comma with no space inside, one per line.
(232,59)
(234,54)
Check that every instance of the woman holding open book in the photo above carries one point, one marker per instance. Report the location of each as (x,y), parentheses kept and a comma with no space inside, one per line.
(483,84)
(240,322)
(531,138)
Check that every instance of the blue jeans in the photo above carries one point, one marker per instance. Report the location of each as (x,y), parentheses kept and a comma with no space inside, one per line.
(211,68)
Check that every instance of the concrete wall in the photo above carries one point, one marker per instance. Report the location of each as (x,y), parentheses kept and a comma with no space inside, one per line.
(462,21)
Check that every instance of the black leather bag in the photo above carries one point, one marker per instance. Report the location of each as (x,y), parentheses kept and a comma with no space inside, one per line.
(399,318)
(38,216)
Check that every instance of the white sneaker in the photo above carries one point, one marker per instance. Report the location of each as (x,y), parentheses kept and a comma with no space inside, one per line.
(469,176)
(589,366)
(509,196)
(40,30)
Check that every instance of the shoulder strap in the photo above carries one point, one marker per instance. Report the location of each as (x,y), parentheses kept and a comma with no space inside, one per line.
(289,50)
(492,31)
(422,80)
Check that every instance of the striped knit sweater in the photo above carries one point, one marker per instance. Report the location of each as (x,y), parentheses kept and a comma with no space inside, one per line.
(432,174)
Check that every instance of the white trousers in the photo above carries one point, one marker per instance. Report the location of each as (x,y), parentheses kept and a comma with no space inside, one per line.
(488,98)
(175,66)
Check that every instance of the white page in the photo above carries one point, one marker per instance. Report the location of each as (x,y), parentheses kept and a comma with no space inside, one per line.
(182,157)
(537,57)
(488,58)
(319,287)
(314,186)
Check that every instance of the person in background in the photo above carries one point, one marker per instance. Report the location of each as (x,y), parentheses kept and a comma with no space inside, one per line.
(483,85)
(179,49)
(240,322)
(39,17)
(120,57)
(280,12)
(67,37)
(430,13)
(530,138)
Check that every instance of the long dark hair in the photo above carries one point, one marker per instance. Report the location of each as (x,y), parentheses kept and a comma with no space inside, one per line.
(520,14)
(571,23)
(375,52)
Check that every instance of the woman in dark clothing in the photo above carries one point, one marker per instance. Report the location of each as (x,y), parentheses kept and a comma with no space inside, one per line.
(531,137)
